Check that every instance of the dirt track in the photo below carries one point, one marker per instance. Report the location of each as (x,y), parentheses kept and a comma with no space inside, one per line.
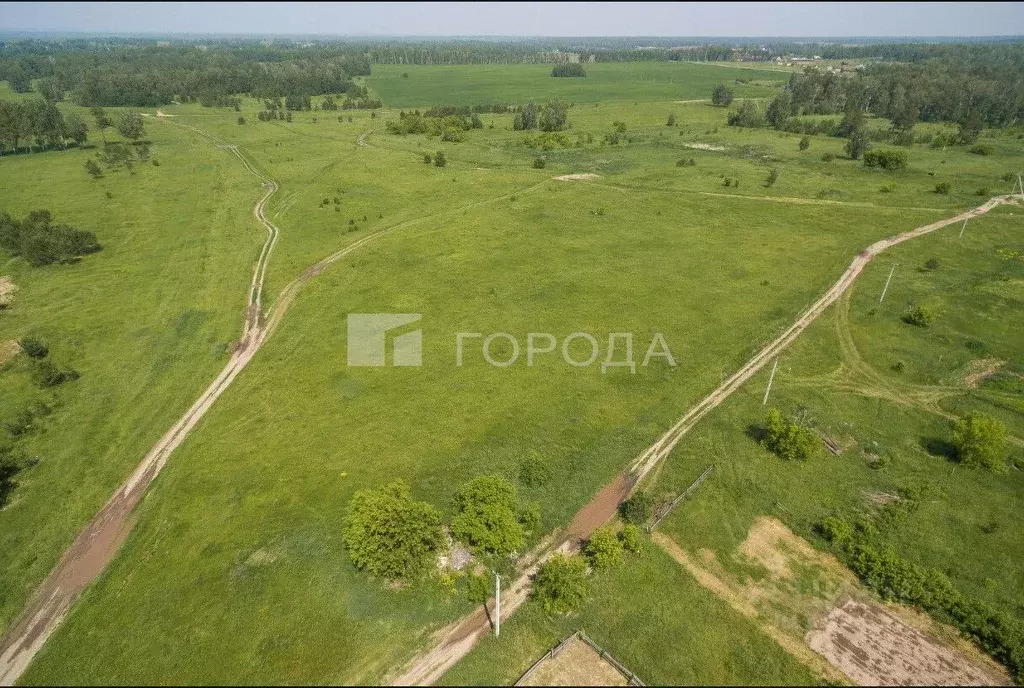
(456,640)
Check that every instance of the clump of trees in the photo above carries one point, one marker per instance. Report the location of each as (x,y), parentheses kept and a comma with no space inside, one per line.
(551,116)
(721,96)
(41,242)
(788,439)
(638,508)
(486,518)
(747,115)
(980,442)
(886,159)
(569,69)
(38,125)
(389,534)
(435,122)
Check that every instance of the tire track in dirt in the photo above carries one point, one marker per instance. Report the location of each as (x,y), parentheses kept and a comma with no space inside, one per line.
(98,542)
(454,641)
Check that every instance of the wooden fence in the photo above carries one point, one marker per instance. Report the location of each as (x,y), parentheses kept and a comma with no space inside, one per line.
(686,493)
(633,679)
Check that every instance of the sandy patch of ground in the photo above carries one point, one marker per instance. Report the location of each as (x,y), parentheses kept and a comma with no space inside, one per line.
(704,146)
(576,664)
(874,647)
(8,350)
(576,177)
(981,369)
(797,595)
(7,289)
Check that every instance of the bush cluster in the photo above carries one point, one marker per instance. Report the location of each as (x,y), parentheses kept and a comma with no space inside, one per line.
(41,242)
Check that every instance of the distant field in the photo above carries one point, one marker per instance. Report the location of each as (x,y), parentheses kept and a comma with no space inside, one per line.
(640,81)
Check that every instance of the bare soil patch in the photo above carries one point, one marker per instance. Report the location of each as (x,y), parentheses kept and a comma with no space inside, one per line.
(7,289)
(8,350)
(815,608)
(704,146)
(981,369)
(577,664)
(576,177)
(874,647)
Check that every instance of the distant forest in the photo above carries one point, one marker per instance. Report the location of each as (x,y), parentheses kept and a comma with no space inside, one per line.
(936,81)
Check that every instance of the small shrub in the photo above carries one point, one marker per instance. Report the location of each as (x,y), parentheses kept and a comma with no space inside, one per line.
(427,159)
(887,188)
(439,159)
(539,163)
(534,472)
(828,157)
(33,347)
(638,508)
(773,176)
(919,317)
(241,120)
(899,366)
(943,188)
(932,264)
(632,539)
(982,149)
(603,549)
(886,159)
(983,192)
(727,181)
(46,374)
(156,163)
(836,530)
(805,143)
(671,120)
(561,584)
(789,440)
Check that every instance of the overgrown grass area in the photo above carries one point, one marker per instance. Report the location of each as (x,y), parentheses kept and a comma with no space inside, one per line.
(235,571)
(147,322)
(411,86)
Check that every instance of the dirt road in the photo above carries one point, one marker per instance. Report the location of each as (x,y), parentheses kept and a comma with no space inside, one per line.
(455,641)
(97,543)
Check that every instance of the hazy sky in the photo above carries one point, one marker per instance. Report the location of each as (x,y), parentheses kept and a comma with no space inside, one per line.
(525,19)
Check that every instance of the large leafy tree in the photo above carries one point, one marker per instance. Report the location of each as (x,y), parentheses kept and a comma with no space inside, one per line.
(980,441)
(130,126)
(486,518)
(721,96)
(389,534)
(788,439)
(561,585)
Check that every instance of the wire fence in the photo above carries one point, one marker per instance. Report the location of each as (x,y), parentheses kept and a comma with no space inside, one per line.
(632,678)
(686,493)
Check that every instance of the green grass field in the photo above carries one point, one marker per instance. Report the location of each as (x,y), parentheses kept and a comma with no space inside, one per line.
(235,571)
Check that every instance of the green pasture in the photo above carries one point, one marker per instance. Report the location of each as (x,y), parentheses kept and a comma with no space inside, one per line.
(235,571)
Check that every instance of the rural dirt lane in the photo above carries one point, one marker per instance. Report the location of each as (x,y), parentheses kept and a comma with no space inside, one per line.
(97,543)
(454,641)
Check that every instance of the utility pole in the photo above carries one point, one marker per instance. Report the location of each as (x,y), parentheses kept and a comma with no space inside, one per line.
(963,228)
(886,287)
(1019,184)
(497,604)
(770,379)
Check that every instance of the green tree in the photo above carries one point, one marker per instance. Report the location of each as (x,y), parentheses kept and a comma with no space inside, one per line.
(919,316)
(427,159)
(18,79)
(671,120)
(439,159)
(721,96)
(99,115)
(390,535)
(76,128)
(779,110)
(554,116)
(980,442)
(92,169)
(638,508)
(539,163)
(632,539)
(789,440)
(805,143)
(561,585)
(858,143)
(773,176)
(131,126)
(486,518)
(603,549)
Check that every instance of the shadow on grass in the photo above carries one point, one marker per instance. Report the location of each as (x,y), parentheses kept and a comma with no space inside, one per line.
(756,432)
(937,446)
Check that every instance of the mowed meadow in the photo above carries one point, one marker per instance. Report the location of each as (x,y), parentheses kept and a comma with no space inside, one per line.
(235,570)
